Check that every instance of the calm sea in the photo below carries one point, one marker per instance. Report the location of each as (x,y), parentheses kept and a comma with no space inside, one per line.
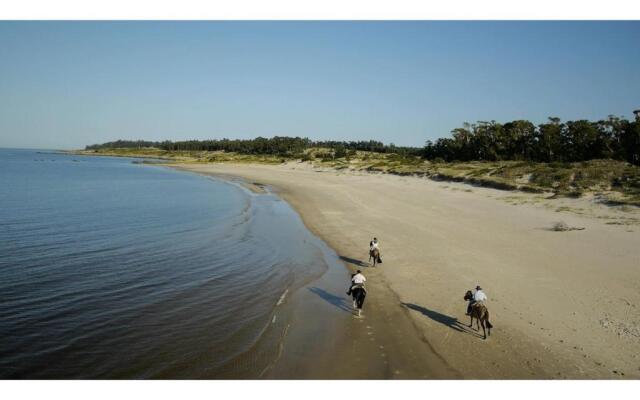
(113,269)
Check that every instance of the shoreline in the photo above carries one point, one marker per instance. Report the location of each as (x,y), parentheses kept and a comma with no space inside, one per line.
(539,339)
(352,348)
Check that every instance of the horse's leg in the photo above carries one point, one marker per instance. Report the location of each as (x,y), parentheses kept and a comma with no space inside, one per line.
(471,322)
(357,303)
(484,326)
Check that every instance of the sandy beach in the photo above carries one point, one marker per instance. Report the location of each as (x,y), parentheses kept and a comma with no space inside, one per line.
(563,304)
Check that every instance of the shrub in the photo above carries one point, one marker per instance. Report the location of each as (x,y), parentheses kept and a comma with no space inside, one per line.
(340,152)
(560,226)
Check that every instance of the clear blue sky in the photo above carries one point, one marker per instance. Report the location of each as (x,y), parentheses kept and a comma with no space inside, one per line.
(69,84)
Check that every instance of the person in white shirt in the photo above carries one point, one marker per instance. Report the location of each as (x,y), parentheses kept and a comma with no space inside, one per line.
(358,290)
(374,251)
(356,279)
(478,297)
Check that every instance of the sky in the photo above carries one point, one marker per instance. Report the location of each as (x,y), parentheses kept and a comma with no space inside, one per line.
(68,84)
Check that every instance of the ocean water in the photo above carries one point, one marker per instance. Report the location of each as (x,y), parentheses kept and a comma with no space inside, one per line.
(114,269)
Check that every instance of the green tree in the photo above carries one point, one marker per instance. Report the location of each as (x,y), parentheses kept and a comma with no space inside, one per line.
(549,141)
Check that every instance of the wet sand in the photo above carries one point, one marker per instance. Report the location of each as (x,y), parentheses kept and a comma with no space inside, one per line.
(326,340)
(564,304)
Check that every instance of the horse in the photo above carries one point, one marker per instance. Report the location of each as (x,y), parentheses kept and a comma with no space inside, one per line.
(375,253)
(358,293)
(481,314)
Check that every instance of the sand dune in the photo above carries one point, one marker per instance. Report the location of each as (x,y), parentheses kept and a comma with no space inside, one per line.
(564,304)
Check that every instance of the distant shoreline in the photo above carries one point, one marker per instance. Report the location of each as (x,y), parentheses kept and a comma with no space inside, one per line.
(615,183)
(94,154)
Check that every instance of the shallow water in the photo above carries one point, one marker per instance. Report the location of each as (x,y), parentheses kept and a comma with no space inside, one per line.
(111,269)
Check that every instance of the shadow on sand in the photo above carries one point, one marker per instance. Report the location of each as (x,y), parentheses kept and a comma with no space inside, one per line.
(353,261)
(332,299)
(451,322)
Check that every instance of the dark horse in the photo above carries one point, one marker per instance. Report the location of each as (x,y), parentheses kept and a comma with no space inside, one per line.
(358,293)
(375,254)
(480,313)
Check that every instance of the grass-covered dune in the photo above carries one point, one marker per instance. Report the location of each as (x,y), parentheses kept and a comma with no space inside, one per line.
(615,182)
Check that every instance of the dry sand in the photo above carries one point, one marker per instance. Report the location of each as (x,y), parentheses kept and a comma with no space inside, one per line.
(563,304)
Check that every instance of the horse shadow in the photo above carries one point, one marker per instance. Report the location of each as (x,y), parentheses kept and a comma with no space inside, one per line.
(354,261)
(444,319)
(332,299)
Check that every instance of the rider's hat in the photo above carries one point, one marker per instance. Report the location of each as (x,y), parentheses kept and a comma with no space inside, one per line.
(478,287)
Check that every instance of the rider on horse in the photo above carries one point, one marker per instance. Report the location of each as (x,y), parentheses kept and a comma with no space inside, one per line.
(478,298)
(358,291)
(478,310)
(373,245)
(374,251)
(357,280)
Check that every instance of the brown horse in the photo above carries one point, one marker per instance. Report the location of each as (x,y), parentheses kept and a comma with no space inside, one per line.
(481,314)
(375,253)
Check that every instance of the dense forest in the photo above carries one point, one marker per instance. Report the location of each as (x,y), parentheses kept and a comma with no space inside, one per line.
(612,138)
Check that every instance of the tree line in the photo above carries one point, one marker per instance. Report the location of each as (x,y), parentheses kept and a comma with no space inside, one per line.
(612,138)
(582,140)
(278,145)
